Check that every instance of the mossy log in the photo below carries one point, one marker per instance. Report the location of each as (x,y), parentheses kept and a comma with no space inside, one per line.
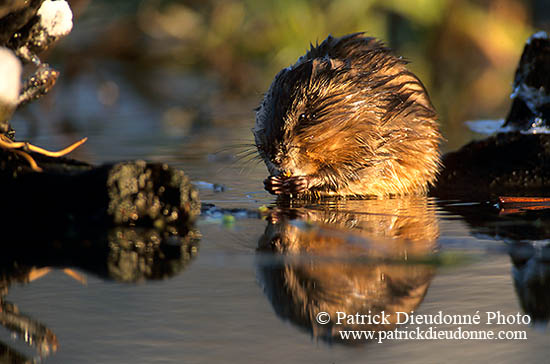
(69,196)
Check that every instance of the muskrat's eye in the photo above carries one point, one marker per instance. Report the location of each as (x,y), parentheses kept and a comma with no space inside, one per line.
(305,120)
(307,117)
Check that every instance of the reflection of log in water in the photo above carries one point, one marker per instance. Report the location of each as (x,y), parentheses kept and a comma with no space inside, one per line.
(32,331)
(135,256)
(123,254)
(8,355)
(526,234)
(531,273)
(350,258)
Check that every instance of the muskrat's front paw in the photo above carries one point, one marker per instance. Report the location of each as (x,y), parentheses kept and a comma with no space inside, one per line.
(281,185)
(272,184)
(294,185)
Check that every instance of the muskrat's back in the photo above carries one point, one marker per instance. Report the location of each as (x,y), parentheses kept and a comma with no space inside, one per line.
(348,119)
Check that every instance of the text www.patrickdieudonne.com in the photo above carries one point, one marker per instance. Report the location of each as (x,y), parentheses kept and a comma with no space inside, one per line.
(404,322)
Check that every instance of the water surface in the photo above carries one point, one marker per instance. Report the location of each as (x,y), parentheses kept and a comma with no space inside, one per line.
(250,291)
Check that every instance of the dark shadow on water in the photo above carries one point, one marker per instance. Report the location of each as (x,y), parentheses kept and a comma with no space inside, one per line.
(356,257)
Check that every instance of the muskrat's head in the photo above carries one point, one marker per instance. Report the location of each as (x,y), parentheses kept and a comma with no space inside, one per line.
(347,119)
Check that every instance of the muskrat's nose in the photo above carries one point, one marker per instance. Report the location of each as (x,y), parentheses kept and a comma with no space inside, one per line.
(284,173)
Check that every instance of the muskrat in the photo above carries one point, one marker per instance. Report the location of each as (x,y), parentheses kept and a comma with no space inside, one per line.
(348,119)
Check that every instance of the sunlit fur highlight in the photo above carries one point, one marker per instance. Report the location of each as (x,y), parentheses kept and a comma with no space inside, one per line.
(367,128)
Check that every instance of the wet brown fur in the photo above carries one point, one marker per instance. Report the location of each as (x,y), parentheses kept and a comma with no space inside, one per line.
(348,119)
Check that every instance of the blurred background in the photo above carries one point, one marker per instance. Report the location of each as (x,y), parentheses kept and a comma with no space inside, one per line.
(180,66)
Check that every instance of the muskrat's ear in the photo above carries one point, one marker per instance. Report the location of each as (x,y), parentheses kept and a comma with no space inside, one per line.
(324,64)
(336,63)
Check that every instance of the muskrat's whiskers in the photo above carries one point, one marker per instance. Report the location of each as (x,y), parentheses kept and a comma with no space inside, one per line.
(248,155)
(236,147)
(243,155)
(251,161)
(246,165)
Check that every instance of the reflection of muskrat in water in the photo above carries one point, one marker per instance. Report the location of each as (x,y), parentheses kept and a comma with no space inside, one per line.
(348,119)
(344,259)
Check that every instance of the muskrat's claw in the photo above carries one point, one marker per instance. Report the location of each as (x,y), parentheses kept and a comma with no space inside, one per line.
(281,185)
(272,185)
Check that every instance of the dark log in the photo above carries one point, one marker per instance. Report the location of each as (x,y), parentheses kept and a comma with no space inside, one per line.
(512,164)
(71,196)
(515,163)
(530,97)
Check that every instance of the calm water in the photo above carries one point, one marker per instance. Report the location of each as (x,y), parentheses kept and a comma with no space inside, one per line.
(254,287)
